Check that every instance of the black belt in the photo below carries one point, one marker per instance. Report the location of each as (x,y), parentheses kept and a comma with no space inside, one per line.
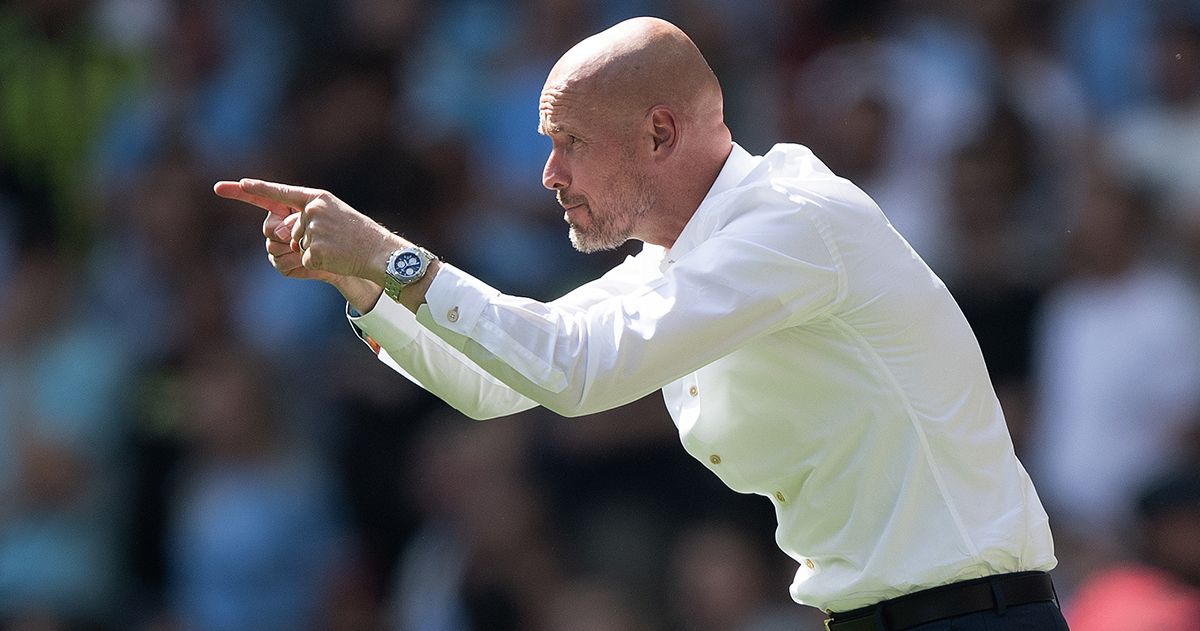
(948,601)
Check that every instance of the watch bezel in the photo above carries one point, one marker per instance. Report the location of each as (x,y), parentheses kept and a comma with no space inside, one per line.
(395,281)
(398,262)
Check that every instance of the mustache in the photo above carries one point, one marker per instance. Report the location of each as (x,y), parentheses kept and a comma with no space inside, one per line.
(567,201)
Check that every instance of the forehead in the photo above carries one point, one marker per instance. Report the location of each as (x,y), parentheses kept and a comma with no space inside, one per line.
(569,105)
(556,107)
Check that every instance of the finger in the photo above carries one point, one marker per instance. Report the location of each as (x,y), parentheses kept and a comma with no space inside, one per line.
(271,226)
(286,264)
(294,196)
(278,248)
(299,227)
(285,260)
(283,230)
(233,190)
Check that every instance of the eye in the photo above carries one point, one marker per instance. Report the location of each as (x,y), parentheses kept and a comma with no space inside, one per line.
(572,140)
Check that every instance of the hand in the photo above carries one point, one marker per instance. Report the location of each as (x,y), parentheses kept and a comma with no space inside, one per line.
(313,234)
(284,253)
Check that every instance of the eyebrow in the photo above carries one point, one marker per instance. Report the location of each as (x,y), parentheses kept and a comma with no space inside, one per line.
(544,128)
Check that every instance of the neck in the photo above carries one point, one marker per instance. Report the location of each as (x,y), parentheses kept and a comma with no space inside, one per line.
(677,204)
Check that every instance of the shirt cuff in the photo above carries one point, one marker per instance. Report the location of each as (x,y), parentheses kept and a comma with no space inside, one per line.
(456,299)
(389,324)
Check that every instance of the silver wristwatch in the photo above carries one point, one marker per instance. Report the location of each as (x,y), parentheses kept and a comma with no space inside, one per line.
(405,267)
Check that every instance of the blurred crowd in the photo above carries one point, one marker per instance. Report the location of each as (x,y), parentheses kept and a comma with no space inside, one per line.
(189,442)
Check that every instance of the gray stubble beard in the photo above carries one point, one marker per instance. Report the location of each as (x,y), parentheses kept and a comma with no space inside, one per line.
(611,232)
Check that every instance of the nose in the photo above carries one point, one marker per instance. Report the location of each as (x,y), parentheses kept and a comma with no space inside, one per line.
(555,175)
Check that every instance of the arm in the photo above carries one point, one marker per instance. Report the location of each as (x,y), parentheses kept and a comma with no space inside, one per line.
(414,351)
(428,361)
(579,359)
(581,356)
(410,349)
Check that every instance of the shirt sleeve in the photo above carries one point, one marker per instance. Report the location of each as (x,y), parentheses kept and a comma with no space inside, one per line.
(400,342)
(581,358)
(410,349)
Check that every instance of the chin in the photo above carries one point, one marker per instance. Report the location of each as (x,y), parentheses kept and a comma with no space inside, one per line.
(589,244)
(578,242)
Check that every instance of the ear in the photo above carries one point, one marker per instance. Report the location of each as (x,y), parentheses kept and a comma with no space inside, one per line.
(664,132)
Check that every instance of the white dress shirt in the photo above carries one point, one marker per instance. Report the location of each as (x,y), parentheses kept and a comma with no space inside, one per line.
(805,353)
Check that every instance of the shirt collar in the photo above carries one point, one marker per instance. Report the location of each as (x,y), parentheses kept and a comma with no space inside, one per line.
(737,166)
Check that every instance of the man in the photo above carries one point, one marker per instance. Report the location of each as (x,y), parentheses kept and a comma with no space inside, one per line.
(805,352)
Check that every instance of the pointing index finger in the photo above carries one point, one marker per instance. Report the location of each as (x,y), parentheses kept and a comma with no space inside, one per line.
(238,192)
(295,196)
(234,191)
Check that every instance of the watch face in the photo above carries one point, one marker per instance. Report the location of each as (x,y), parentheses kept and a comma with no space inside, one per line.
(406,265)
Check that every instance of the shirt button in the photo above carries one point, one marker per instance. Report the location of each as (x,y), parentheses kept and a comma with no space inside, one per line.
(452,315)
(808,563)
(715,459)
(780,496)
(693,391)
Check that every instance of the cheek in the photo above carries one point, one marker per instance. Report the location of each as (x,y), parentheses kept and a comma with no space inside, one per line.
(604,179)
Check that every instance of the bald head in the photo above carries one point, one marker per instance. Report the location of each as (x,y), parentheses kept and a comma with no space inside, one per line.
(638,64)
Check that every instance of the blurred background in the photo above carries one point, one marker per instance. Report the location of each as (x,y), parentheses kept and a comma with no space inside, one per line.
(189,442)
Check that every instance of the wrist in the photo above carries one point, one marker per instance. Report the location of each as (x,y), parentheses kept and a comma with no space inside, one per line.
(375,264)
(413,296)
(405,268)
(362,294)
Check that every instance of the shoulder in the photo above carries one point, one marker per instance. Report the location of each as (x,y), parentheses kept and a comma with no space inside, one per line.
(791,183)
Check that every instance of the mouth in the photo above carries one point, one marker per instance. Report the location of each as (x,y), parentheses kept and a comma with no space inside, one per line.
(569,210)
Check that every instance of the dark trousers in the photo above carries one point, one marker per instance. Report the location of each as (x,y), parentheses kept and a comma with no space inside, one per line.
(1044,616)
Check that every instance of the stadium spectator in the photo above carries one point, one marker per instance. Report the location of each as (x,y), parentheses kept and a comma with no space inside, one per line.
(1160,591)
(1117,377)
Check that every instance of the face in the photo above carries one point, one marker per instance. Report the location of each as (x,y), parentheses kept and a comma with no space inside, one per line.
(594,170)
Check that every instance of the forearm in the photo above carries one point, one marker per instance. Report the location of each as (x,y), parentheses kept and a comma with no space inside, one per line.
(362,294)
(577,358)
(444,372)
(412,296)
(408,348)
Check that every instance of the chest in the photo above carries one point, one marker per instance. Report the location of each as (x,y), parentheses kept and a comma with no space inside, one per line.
(769,411)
